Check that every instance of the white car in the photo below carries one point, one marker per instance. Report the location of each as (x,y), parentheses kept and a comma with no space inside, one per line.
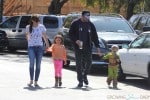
(135,59)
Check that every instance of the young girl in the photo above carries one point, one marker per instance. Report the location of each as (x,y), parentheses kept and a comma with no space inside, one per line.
(113,59)
(59,56)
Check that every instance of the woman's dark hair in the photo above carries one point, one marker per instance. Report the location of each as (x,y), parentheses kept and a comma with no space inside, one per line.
(33,18)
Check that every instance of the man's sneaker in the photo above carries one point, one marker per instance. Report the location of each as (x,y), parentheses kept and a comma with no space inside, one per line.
(80,85)
(86,82)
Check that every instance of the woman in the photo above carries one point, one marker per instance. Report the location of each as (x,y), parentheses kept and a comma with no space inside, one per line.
(34,34)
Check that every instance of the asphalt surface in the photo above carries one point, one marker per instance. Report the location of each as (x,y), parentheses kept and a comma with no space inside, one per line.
(14,76)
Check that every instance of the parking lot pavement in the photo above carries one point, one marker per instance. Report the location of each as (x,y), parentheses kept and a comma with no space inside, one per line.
(14,77)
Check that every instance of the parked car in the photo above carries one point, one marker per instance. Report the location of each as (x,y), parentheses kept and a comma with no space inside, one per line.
(96,59)
(135,59)
(3,40)
(140,20)
(111,29)
(4,18)
(15,29)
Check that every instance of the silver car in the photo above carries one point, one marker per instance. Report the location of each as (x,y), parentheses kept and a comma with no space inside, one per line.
(15,29)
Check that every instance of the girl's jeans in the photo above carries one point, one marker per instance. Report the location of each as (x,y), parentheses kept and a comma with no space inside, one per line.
(35,53)
(58,64)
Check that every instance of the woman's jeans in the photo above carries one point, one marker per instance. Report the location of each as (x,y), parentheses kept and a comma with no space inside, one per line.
(35,53)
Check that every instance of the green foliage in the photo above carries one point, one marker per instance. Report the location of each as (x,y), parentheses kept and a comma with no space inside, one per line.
(114,6)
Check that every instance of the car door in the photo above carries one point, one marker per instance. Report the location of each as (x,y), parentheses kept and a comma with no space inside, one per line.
(10,26)
(141,23)
(135,55)
(143,56)
(21,32)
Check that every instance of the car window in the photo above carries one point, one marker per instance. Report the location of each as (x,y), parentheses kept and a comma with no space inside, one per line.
(148,22)
(141,23)
(24,21)
(109,24)
(10,23)
(146,43)
(50,22)
(133,20)
(137,43)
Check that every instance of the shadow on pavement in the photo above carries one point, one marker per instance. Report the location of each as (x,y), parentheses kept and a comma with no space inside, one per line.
(87,88)
(84,88)
(137,82)
(95,70)
(32,88)
(130,81)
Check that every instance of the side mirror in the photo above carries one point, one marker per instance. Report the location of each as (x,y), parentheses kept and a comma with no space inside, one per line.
(138,32)
(146,28)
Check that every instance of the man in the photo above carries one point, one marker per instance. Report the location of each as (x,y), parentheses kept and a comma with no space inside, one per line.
(82,32)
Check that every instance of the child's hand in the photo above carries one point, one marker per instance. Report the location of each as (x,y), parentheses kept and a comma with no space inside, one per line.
(100,54)
(65,63)
(49,49)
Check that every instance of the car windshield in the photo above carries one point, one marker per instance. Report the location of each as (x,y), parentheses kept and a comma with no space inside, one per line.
(109,24)
(50,22)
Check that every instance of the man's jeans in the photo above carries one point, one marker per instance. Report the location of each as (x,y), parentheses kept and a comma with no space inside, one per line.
(35,53)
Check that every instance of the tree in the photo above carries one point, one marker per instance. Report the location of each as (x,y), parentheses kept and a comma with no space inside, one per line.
(1,10)
(131,5)
(110,6)
(55,6)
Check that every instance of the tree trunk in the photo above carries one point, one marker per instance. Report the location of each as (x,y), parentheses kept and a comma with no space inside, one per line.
(131,5)
(55,6)
(1,10)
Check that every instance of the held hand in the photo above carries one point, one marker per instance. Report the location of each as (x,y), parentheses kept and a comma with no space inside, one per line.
(98,52)
(48,50)
(65,63)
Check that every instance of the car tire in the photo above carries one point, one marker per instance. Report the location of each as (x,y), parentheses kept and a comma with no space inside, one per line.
(121,75)
(11,49)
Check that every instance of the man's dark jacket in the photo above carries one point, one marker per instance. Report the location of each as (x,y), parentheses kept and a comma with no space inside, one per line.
(75,31)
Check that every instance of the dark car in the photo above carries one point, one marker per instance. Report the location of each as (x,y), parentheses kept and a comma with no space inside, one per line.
(139,21)
(96,60)
(3,40)
(112,29)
